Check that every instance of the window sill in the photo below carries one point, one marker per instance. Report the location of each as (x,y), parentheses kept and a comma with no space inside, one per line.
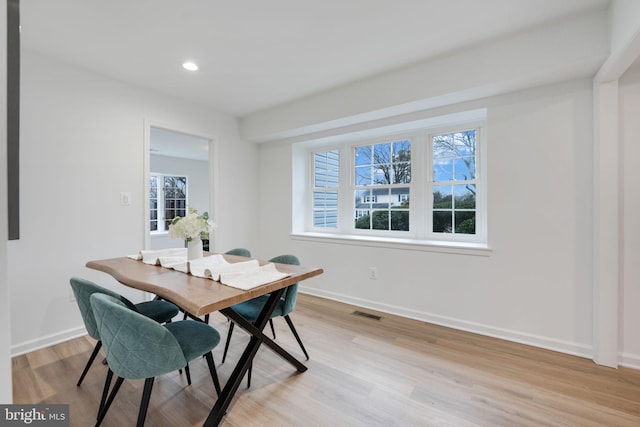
(460,248)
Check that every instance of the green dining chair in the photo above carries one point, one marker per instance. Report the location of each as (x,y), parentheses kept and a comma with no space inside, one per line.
(240,252)
(159,311)
(237,251)
(251,309)
(140,348)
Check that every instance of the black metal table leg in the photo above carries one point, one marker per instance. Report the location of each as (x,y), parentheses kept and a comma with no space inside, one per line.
(256,332)
(257,338)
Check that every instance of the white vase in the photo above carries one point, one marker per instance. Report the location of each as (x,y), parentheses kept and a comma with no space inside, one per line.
(194,248)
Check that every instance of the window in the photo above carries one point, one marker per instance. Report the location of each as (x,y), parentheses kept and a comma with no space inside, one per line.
(167,200)
(325,189)
(453,184)
(421,184)
(382,172)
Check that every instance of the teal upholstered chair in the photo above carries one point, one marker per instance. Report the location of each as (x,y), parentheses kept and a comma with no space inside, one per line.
(240,252)
(138,347)
(251,309)
(159,311)
(237,251)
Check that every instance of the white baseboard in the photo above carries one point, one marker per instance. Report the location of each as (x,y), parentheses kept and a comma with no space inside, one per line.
(46,341)
(506,334)
(630,360)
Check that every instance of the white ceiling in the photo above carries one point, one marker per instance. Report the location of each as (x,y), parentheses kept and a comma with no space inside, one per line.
(255,54)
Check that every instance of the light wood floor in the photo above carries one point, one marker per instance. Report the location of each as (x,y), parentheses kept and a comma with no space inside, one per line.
(362,372)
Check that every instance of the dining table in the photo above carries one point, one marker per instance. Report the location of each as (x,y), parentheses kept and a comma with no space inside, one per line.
(200,296)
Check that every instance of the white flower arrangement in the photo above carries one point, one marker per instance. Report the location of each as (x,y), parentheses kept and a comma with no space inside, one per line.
(191,226)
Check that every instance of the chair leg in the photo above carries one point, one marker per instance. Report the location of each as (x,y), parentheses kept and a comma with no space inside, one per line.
(226,345)
(186,370)
(107,404)
(144,404)
(249,375)
(96,349)
(273,331)
(214,373)
(105,392)
(295,334)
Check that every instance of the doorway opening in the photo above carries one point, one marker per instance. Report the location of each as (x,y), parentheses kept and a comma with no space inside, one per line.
(178,176)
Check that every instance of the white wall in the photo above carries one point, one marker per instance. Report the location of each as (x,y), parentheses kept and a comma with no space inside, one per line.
(82,144)
(197,173)
(630,242)
(552,279)
(535,287)
(570,49)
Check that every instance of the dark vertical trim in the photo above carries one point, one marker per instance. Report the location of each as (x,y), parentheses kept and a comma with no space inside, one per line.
(13,117)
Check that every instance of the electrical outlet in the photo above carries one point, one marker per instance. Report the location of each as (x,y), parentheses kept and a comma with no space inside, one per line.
(373,273)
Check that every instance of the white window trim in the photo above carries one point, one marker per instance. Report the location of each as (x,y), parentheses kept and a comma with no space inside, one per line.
(418,238)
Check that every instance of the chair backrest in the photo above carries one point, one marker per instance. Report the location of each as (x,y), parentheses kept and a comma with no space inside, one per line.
(239,252)
(82,290)
(291,293)
(136,346)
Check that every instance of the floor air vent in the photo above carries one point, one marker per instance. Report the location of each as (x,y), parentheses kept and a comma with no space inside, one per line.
(367,315)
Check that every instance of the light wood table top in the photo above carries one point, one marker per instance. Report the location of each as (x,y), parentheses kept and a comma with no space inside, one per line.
(196,295)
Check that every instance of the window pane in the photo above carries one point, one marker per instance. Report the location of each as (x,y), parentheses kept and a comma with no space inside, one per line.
(326,169)
(442,197)
(442,170)
(400,220)
(465,168)
(380,198)
(382,174)
(380,220)
(318,200)
(442,222)
(363,219)
(382,154)
(465,196)
(363,155)
(401,162)
(400,198)
(363,199)
(465,222)
(364,175)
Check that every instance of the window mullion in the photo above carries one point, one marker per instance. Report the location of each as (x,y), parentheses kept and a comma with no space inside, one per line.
(345,201)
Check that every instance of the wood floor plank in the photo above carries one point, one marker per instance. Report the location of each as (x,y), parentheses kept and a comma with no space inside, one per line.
(365,370)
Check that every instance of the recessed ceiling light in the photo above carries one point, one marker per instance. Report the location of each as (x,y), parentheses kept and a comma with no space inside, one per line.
(190,66)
